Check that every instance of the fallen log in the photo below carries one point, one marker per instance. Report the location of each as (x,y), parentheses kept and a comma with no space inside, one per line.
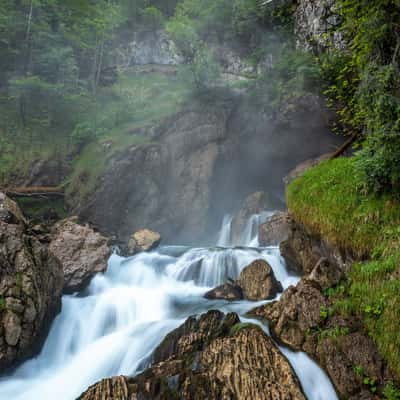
(35,192)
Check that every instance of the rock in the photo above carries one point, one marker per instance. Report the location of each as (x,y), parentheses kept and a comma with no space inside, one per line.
(275,230)
(297,311)
(302,251)
(144,240)
(82,252)
(314,23)
(10,213)
(30,288)
(213,357)
(258,281)
(303,319)
(227,291)
(254,204)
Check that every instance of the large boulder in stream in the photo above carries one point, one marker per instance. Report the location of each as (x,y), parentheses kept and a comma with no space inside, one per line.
(143,240)
(82,251)
(211,357)
(229,291)
(258,281)
(31,282)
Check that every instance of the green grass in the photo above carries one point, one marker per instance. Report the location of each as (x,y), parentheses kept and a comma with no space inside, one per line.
(329,202)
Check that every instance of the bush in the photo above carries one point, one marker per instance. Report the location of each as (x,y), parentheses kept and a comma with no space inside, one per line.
(84,133)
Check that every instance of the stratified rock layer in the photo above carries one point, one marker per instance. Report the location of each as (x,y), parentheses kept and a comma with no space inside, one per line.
(214,357)
(82,252)
(31,282)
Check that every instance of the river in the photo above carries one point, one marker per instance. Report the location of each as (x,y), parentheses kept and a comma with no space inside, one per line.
(114,325)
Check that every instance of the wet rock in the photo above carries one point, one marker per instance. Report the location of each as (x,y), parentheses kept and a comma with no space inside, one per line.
(275,230)
(213,357)
(258,281)
(82,252)
(143,240)
(297,311)
(230,291)
(30,288)
(255,203)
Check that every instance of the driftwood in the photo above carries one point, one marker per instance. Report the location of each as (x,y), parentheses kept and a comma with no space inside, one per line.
(35,192)
(344,146)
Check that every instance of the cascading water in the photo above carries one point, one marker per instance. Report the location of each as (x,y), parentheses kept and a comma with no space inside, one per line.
(113,327)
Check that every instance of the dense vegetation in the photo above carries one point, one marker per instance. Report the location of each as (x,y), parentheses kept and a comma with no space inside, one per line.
(364,86)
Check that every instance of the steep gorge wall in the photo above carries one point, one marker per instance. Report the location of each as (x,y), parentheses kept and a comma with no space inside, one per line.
(200,164)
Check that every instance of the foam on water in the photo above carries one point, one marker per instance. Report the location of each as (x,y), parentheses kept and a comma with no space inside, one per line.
(114,326)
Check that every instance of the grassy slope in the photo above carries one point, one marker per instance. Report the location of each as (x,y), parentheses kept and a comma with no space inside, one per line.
(328,200)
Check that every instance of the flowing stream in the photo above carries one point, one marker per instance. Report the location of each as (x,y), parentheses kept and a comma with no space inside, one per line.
(113,327)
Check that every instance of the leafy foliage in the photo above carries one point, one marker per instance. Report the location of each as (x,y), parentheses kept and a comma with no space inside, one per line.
(364,86)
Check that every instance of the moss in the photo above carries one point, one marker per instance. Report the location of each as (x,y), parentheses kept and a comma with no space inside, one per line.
(329,202)
(240,326)
(2,303)
(36,209)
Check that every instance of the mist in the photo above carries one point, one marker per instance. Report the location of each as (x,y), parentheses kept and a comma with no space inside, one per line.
(158,114)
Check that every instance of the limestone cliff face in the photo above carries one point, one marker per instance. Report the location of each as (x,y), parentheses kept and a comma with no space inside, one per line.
(198,164)
(314,22)
(31,282)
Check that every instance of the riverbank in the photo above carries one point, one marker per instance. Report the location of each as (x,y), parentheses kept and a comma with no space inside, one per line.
(329,203)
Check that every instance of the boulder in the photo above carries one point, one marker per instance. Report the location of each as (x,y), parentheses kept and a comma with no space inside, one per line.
(229,291)
(211,357)
(143,240)
(303,250)
(258,281)
(31,283)
(82,252)
(275,230)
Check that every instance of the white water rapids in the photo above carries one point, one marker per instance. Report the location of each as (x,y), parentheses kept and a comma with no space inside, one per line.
(113,327)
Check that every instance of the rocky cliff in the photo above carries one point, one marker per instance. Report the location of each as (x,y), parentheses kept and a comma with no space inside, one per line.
(193,162)
(31,282)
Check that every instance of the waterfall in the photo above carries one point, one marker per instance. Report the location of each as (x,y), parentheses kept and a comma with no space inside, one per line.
(113,327)
(249,235)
